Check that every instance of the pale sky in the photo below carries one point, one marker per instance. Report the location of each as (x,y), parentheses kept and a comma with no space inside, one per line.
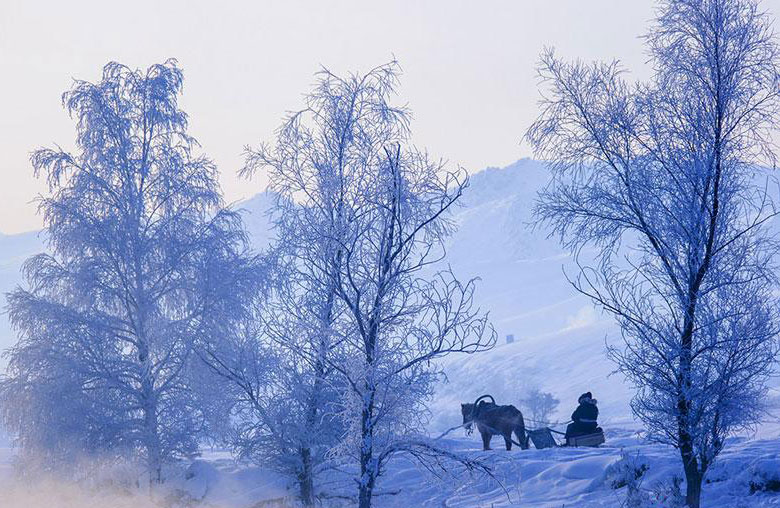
(469,69)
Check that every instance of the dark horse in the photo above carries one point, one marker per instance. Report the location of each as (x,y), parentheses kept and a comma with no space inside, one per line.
(492,419)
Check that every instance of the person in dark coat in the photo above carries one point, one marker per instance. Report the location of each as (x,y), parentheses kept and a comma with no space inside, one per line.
(584,417)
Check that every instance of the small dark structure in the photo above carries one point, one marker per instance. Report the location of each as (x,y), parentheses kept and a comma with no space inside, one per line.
(542,438)
(593,439)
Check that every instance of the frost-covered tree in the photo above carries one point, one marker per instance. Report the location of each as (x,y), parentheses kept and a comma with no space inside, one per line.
(541,405)
(353,321)
(662,178)
(316,167)
(402,313)
(143,261)
(405,314)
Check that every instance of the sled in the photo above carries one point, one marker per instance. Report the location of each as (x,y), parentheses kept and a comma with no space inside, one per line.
(542,438)
(594,439)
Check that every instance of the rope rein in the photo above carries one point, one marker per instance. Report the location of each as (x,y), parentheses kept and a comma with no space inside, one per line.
(451,429)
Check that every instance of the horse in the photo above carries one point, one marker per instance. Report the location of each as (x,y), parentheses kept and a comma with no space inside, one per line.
(492,419)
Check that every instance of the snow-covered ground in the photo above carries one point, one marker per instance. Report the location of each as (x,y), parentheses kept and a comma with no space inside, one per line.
(555,477)
(559,343)
(583,477)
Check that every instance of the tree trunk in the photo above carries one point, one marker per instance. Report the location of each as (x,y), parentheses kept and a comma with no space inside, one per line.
(306,475)
(684,437)
(367,480)
(693,480)
(306,478)
(367,464)
(154,464)
(151,437)
(152,442)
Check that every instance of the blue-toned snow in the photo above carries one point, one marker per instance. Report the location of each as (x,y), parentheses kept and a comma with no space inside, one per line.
(559,342)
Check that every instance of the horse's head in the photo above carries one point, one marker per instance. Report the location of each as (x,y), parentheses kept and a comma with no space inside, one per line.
(467,410)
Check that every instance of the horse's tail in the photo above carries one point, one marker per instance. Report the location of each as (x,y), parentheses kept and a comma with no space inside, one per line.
(520,431)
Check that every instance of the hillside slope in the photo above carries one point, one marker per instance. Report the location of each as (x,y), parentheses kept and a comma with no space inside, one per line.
(559,338)
(14,250)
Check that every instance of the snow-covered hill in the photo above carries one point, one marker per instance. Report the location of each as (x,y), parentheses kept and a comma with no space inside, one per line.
(559,342)
(14,250)
(559,338)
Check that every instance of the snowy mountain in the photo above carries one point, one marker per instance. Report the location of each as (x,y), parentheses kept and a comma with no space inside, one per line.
(14,250)
(559,338)
(558,346)
(254,212)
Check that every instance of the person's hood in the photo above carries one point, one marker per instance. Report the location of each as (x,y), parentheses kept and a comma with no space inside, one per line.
(585,397)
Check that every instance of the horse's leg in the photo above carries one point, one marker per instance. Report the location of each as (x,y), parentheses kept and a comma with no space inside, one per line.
(522,438)
(485,439)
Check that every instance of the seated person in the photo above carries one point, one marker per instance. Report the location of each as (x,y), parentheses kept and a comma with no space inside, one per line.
(584,417)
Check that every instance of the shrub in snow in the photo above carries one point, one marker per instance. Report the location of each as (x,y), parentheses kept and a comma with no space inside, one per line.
(626,472)
(763,475)
(667,494)
(630,471)
(540,405)
(636,498)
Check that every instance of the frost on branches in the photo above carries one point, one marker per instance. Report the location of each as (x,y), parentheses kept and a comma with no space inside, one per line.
(143,262)
(661,177)
(363,308)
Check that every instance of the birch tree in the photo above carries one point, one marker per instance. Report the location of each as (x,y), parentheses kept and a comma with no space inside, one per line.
(285,410)
(662,178)
(143,260)
(331,168)
(407,310)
